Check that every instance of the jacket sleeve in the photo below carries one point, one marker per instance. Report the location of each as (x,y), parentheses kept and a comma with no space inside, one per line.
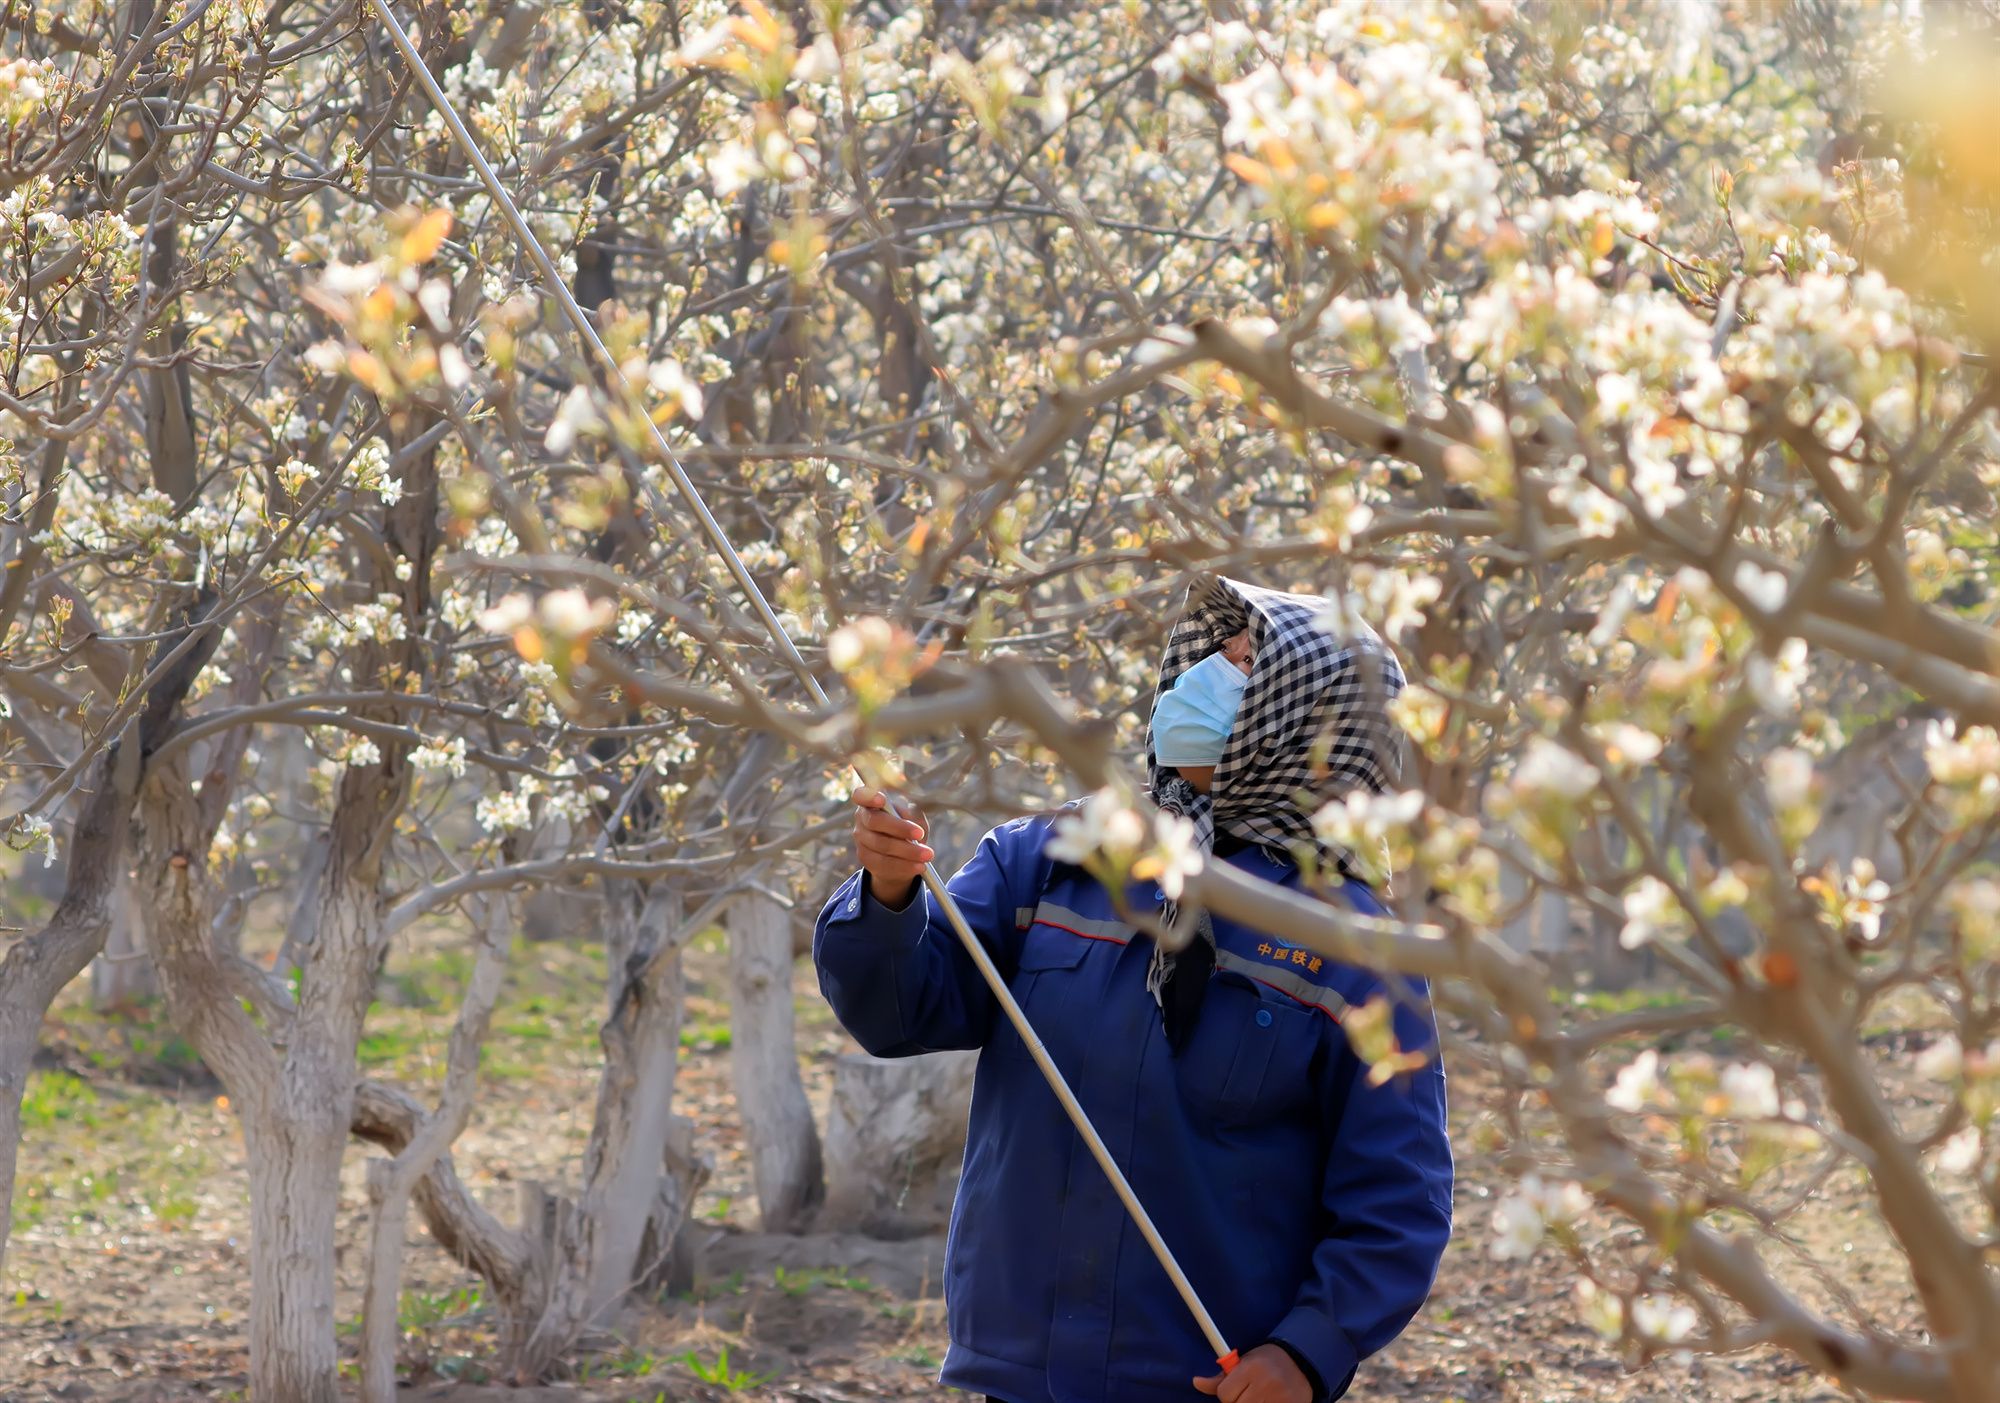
(901,981)
(1386,1201)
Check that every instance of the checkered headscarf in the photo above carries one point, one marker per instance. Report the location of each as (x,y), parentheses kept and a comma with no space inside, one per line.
(1313,725)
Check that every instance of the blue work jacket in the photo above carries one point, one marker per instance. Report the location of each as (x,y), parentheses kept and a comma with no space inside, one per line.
(1305,1206)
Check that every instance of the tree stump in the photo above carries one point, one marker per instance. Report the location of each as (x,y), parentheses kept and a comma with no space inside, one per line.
(895,1138)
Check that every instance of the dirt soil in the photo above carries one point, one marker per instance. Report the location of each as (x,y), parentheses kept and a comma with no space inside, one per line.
(128,1275)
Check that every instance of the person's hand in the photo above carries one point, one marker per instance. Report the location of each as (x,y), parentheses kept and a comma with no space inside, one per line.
(891,850)
(1265,1375)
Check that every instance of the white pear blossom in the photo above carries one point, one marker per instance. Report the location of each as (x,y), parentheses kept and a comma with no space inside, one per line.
(1178,855)
(1649,905)
(1637,1083)
(1518,1229)
(1763,588)
(1959,1154)
(1775,681)
(1598,514)
(507,614)
(668,379)
(508,809)
(1601,1310)
(1943,1060)
(857,640)
(1865,894)
(1966,766)
(1522,1219)
(1662,1318)
(576,415)
(1656,483)
(1788,777)
(1105,824)
(1617,395)
(33,831)
(1626,744)
(571,613)
(1552,769)
(1750,1090)
(448,756)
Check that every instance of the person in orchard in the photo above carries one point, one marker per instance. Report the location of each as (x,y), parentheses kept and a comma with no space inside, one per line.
(1308,1207)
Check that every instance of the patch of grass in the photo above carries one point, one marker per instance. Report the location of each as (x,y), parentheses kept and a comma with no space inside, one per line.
(163,1047)
(626,1364)
(1607,1002)
(31,1201)
(530,1027)
(418,1311)
(174,1210)
(428,979)
(707,1289)
(706,1037)
(389,1044)
(720,1372)
(919,1356)
(499,1064)
(58,1096)
(97,1188)
(36,1305)
(797,1283)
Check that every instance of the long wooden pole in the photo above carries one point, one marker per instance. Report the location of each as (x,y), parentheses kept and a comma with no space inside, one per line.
(718,539)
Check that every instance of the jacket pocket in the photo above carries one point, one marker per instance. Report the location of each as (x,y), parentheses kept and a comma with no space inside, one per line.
(1039,985)
(1250,1057)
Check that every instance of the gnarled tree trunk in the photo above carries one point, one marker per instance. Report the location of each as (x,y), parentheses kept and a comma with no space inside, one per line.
(594,1246)
(123,971)
(38,966)
(391,1182)
(764,1055)
(294,1151)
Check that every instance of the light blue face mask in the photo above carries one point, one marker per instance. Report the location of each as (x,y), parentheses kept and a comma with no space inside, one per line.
(1192,720)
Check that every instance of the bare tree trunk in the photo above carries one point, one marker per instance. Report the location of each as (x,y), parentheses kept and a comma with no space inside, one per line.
(595,1248)
(665,1259)
(459,1224)
(292,1078)
(123,972)
(38,966)
(294,1149)
(770,1094)
(391,1182)
(293,1115)
(635,1098)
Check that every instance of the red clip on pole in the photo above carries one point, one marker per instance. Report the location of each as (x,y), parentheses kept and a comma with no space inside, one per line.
(1229,1362)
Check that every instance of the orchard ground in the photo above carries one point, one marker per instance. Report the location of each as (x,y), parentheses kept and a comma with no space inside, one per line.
(128,1276)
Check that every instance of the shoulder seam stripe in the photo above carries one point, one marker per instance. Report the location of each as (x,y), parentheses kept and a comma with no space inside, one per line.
(1080,934)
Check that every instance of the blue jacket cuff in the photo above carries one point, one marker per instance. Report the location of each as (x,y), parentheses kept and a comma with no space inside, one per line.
(1310,1335)
(855,901)
(913,904)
